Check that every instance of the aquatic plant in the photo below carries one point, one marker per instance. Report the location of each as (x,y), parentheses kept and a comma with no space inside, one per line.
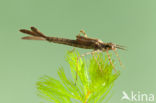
(95,81)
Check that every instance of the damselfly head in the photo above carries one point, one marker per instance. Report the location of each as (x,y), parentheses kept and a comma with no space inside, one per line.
(108,46)
(111,46)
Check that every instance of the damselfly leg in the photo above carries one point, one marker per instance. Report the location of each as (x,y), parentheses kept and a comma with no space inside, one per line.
(110,60)
(119,59)
(82,32)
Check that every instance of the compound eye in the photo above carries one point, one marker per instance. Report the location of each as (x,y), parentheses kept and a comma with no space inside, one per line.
(107,47)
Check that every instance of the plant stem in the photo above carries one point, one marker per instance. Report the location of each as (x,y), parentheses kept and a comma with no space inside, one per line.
(87,95)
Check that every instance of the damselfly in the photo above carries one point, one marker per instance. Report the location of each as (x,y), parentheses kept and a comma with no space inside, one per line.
(81,42)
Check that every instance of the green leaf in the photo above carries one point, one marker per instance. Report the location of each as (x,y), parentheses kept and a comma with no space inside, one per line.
(95,81)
